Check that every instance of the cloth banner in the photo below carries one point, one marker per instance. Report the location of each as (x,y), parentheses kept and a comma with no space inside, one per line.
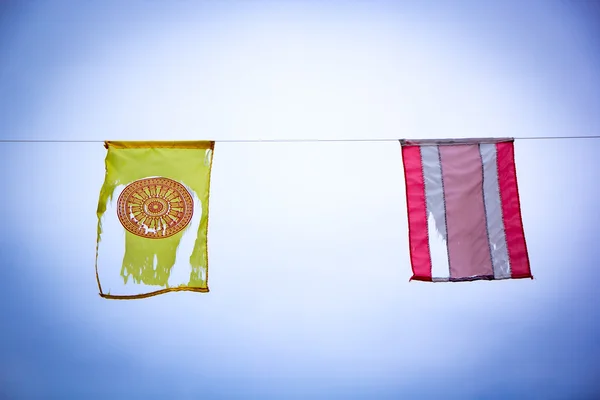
(153,219)
(464,215)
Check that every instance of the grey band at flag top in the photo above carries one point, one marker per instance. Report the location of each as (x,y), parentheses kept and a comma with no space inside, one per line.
(447,142)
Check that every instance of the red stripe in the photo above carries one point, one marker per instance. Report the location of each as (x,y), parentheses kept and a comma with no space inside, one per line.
(511,211)
(418,238)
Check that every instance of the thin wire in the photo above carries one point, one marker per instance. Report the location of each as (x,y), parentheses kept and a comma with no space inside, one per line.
(286,140)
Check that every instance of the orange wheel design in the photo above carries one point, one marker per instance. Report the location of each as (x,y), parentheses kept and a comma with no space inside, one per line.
(155,208)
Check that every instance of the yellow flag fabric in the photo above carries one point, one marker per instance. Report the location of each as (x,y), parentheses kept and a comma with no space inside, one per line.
(153,219)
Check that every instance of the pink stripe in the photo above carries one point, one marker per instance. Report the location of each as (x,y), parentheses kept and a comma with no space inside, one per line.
(417,213)
(511,211)
(468,246)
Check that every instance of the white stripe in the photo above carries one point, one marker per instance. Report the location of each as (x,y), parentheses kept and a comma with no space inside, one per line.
(436,212)
(493,210)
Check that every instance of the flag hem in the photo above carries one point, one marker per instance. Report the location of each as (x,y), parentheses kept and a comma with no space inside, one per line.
(468,278)
(155,293)
(447,142)
(185,144)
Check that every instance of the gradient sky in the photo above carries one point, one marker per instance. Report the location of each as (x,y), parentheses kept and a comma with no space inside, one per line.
(309,262)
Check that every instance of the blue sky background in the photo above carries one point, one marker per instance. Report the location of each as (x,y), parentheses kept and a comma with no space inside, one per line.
(309,262)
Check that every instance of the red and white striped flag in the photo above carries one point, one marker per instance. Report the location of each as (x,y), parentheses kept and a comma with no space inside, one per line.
(464,215)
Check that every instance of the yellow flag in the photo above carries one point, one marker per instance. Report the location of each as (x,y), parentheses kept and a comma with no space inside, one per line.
(153,219)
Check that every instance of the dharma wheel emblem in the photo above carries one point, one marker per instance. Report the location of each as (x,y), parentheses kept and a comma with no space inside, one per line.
(155,208)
